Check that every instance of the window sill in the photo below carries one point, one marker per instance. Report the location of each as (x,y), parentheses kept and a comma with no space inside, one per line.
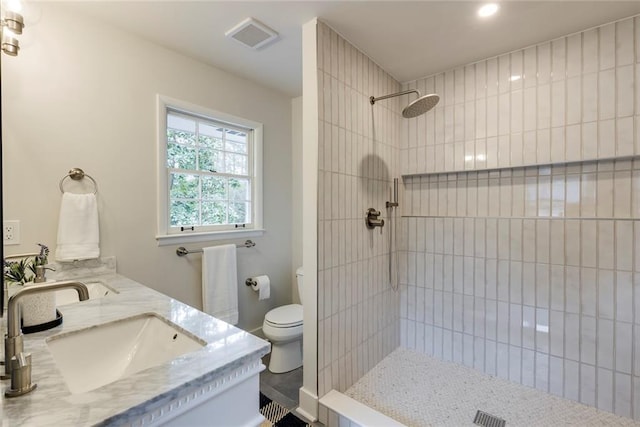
(174,239)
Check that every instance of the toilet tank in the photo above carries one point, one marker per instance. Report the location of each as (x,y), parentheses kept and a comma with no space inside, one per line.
(299,276)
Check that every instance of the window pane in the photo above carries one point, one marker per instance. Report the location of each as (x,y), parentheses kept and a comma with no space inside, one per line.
(181,157)
(236,135)
(236,142)
(177,122)
(239,190)
(184,213)
(183,186)
(210,142)
(236,147)
(210,136)
(214,213)
(236,164)
(238,213)
(206,161)
(214,188)
(208,130)
(218,161)
(181,137)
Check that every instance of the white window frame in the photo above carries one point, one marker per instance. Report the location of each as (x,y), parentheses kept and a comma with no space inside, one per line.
(164,236)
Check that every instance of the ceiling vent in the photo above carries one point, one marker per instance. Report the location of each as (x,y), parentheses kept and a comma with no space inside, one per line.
(252,33)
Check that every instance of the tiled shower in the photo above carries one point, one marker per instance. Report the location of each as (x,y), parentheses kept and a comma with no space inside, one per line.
(522,271)
(519,219)
(358,314)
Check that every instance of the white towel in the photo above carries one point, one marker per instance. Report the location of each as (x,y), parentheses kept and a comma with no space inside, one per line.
(220,283)
(78,233)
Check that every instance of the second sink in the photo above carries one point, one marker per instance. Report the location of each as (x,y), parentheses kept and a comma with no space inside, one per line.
(96,290)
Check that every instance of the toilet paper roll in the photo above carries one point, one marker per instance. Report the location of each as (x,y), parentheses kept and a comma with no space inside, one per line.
(262,285)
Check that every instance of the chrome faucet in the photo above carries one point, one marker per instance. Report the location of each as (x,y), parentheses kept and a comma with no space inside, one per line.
(19,369)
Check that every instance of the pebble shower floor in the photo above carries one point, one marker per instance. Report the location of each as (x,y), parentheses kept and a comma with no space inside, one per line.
(418,390)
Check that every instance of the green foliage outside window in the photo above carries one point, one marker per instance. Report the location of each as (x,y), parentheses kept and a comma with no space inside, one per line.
(207,198)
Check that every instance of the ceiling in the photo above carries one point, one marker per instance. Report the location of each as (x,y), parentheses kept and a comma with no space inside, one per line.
(409,39)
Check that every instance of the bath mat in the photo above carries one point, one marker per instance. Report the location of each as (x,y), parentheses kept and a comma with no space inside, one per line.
(277,415)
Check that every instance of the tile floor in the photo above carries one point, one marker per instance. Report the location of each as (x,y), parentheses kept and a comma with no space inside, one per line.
(418,390)
(282,388)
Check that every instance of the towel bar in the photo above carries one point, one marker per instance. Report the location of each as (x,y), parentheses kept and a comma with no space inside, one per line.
(182,251)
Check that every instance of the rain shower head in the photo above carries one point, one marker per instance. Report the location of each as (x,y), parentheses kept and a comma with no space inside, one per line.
(420,106)
(415,108)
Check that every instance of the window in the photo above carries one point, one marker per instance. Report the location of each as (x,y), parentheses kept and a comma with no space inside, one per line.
(209,173)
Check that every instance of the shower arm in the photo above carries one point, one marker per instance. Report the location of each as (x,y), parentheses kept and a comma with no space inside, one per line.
(393,95)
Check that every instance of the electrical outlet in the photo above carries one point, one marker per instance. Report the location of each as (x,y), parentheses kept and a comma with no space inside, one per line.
(11,232)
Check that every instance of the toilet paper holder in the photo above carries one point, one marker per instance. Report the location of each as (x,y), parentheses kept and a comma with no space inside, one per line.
(250,282)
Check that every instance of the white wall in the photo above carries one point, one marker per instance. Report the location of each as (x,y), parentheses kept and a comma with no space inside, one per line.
(82,94)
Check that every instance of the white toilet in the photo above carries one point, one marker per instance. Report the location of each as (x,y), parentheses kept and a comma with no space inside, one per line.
(283,328)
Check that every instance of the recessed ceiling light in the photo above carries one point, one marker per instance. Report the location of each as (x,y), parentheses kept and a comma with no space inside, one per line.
(488,9)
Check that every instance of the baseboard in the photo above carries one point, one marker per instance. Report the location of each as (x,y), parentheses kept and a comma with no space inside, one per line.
(308,405)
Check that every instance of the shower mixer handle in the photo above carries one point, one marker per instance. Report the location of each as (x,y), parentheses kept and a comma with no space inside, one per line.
(371,220)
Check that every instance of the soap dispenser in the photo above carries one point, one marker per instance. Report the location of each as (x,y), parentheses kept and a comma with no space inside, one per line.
(40,273)
(39,264)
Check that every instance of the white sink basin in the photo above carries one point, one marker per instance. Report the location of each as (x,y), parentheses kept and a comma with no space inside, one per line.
(96,290)
(98,355)
(69,296)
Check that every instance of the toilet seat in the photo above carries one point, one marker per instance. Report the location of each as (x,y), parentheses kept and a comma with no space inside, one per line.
(287,316)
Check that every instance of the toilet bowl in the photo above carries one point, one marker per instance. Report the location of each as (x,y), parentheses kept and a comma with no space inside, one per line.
(282,326)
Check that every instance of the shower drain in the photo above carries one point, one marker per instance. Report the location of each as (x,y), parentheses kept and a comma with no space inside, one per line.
(488,420)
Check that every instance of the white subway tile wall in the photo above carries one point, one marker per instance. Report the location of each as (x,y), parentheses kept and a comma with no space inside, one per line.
(548,301)
(572,99)
(522,247)
(359,154)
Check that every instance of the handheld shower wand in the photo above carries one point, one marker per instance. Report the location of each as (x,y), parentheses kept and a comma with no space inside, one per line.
(393,255)
(395,195)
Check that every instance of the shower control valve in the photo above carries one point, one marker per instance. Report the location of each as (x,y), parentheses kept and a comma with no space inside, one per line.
(371,220)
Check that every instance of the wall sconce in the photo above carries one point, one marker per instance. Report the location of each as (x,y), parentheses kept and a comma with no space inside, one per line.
(11,25)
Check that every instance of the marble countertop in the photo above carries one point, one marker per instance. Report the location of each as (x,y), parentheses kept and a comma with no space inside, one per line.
(121,401)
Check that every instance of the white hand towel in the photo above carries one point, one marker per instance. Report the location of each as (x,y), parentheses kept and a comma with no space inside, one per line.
(78,232)
(220,282)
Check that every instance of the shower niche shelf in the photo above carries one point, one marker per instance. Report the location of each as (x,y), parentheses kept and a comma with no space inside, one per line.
(534,165)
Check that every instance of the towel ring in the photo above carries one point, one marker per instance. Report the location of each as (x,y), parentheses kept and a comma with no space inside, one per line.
(77,174)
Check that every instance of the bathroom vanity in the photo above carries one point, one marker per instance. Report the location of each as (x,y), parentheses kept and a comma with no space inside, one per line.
(214,381)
